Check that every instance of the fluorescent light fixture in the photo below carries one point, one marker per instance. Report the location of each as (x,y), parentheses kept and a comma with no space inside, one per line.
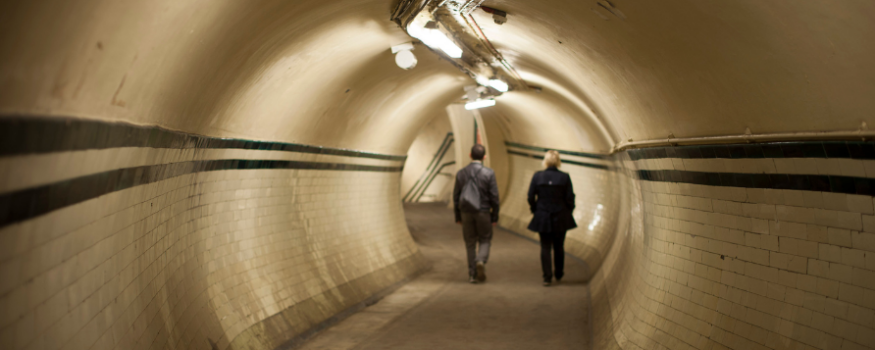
(479,104)
(437,40)
(498,85)
(482,80)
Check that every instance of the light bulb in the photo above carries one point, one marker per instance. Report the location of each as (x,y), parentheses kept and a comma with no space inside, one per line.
(405,59)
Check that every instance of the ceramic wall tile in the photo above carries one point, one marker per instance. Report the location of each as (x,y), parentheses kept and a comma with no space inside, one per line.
(797,271)
(109,234)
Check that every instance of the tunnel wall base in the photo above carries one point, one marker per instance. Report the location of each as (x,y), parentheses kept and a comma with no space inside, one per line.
(293,326)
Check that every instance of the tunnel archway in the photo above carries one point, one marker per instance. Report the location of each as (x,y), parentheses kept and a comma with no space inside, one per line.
(221,174)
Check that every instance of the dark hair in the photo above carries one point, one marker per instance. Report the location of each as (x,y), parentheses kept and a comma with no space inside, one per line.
(478,152)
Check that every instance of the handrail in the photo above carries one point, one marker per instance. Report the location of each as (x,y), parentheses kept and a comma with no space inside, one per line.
(433,176)
(435,160)
(424,186)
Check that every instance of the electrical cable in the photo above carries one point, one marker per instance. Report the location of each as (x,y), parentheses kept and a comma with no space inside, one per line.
(485,40)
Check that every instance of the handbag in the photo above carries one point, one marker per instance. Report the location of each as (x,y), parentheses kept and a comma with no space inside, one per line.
(469,200)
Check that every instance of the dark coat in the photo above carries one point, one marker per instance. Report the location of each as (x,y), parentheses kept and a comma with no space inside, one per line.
(484,178)
(551,199)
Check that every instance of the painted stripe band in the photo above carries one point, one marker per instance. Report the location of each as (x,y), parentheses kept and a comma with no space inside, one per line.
(570,153)
(21,135)
(822,183)
(812,149)
(26,204)
(591,165)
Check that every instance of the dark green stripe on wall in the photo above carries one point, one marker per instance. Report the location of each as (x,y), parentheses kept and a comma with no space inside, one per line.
(570,153)
(771,150)
(806,149)
(564,161)
(25,204)
(22,135)
(820,183)
(31,135)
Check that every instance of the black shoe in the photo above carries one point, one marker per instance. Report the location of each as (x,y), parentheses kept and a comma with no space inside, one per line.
(558,280)
(547,283)
(472,280)
(481,272)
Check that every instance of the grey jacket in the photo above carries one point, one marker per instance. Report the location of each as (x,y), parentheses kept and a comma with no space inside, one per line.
(485,181)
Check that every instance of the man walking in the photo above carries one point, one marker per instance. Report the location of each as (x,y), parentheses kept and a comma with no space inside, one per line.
(475,193)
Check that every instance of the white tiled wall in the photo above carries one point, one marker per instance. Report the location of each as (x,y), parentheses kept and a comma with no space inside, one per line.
(201,258)
(703,267)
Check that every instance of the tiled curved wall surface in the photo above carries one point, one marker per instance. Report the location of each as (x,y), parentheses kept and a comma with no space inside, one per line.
(125,237)
(742,247)
(141,238)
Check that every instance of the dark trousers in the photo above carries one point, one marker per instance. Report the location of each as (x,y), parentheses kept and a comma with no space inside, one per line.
(477,228)
(556,241)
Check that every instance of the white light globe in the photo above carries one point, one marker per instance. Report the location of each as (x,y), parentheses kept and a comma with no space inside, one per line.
(405,59)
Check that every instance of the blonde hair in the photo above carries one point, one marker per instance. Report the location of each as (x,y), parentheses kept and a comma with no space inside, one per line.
(551,159)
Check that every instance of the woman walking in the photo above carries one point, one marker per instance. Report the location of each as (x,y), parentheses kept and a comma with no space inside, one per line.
(551,199)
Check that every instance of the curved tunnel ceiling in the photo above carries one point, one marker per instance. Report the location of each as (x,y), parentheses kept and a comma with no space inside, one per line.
(321,73)
(696,69)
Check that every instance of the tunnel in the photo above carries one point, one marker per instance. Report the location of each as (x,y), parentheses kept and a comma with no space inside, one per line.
(266,174)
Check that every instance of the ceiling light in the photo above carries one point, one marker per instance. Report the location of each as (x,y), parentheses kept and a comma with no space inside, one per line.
(402,47)
(436,39)
(498,85)
(482,80)
(479,104)
(405,59)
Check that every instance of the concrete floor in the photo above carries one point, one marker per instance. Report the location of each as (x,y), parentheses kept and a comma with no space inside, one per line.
(441,310)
